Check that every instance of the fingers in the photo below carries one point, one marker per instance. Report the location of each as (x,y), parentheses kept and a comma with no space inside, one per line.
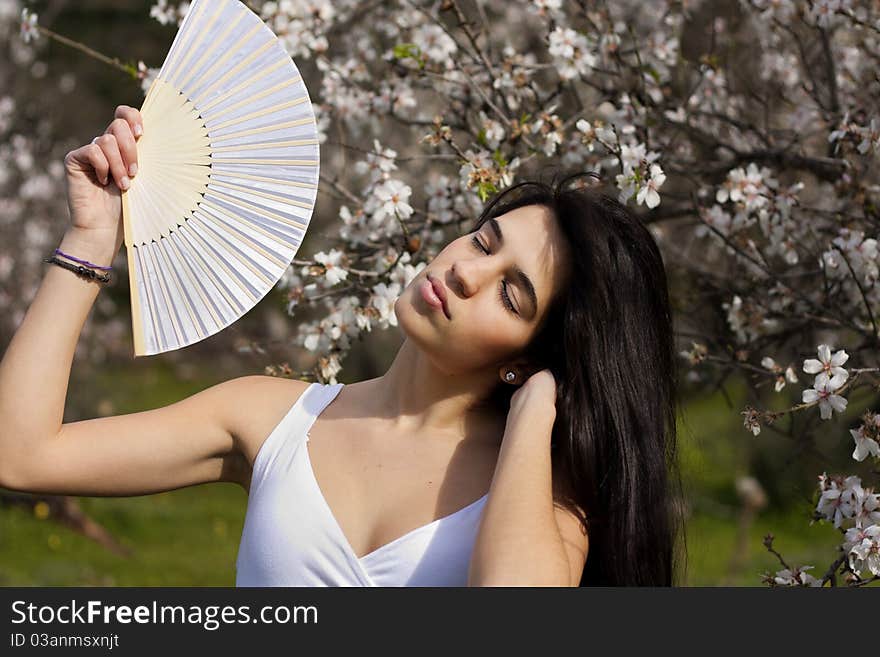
(118,168)
(95,157)
(113,153)
(118,145)
(89,158)
(98,161)
(132,117)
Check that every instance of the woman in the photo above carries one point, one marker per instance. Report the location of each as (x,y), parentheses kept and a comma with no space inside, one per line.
(527,422)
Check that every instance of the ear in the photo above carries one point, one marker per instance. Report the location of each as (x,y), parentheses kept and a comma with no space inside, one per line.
(521,367)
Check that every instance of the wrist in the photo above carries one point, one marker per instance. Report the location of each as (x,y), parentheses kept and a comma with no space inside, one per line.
(89,244)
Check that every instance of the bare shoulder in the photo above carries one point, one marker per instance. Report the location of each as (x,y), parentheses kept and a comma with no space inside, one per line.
(254,405)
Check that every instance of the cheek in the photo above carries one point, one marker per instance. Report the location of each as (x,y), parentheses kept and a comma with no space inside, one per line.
(480,332)
(487,334)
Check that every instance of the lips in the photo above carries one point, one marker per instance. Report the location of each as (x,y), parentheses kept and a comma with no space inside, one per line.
(440,291)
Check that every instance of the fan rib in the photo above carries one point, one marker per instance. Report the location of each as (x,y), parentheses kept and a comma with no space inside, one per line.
(178,300)
(164,206)
(229,50)
(271,256)
(241,85)
(183,34)
(261,112)
(186,69)
(215,182)
(137,325)
(266,128)
(158,332)
(197,176)
(138,300)
(235,91)
(274,181)
(167,304)
(218,311)
(249,206)
(205,241)
(264,160)
(195,282)
(234,48)
(265,144)
(247,100)
(185,283)
(252,223)
(193,238)
(232,248)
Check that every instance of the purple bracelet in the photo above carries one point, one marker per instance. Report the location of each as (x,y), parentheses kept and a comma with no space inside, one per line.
(82,262)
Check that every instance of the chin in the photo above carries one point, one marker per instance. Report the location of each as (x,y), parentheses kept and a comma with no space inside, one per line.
(409,320)
(417,324)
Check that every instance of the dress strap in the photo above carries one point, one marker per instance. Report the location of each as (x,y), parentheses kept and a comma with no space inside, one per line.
(289,431)
(315,404)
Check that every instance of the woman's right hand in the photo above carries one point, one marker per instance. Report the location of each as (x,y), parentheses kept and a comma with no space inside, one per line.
(98,171)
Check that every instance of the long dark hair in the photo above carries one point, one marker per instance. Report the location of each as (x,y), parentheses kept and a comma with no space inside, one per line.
(608,340)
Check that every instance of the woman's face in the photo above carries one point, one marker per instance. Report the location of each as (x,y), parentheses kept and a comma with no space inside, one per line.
(492,315)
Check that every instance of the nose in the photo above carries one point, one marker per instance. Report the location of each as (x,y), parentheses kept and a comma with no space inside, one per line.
(469,275)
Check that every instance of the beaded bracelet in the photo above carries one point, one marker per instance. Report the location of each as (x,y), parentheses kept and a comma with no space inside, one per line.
(84,272)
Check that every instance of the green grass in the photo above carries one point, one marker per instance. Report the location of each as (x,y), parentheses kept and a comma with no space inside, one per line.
(712,542)
(186,537)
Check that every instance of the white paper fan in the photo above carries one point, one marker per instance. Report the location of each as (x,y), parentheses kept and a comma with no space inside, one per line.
(227,178)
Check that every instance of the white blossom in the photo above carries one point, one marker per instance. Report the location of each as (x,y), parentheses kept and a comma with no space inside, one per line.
(828,368)
(836,501)
(796,577)
(383,300)
(749,187)
(379,163)
(493,131)
(865,445)
(29,29)
(822,11)
(571,52)
(435,43)
(393,196)
(330,366)
(823,393)
(865,551)
(331,261)
(168,14)
(405,271)
(546,7)
(870,137)
(439,194)
(648,191)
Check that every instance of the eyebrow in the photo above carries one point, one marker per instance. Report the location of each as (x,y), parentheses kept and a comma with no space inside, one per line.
(524,279)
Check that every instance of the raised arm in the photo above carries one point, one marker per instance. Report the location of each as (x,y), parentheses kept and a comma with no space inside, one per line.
(196,440)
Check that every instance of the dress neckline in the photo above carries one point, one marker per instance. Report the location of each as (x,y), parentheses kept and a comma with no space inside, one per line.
(332,516)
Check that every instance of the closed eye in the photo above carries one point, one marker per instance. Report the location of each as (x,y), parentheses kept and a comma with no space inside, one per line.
(502,288)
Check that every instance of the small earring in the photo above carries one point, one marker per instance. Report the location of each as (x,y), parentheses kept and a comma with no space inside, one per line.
(510,376)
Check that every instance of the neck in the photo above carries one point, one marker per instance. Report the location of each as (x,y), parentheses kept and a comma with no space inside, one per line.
(419,400)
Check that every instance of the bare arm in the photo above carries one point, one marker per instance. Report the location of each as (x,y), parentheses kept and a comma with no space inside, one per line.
(524,539)
(189,442)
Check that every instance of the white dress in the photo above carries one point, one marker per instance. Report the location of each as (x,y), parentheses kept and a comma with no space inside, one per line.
(291,537)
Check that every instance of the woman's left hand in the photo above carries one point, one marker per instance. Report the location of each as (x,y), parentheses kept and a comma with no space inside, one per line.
(538,392)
